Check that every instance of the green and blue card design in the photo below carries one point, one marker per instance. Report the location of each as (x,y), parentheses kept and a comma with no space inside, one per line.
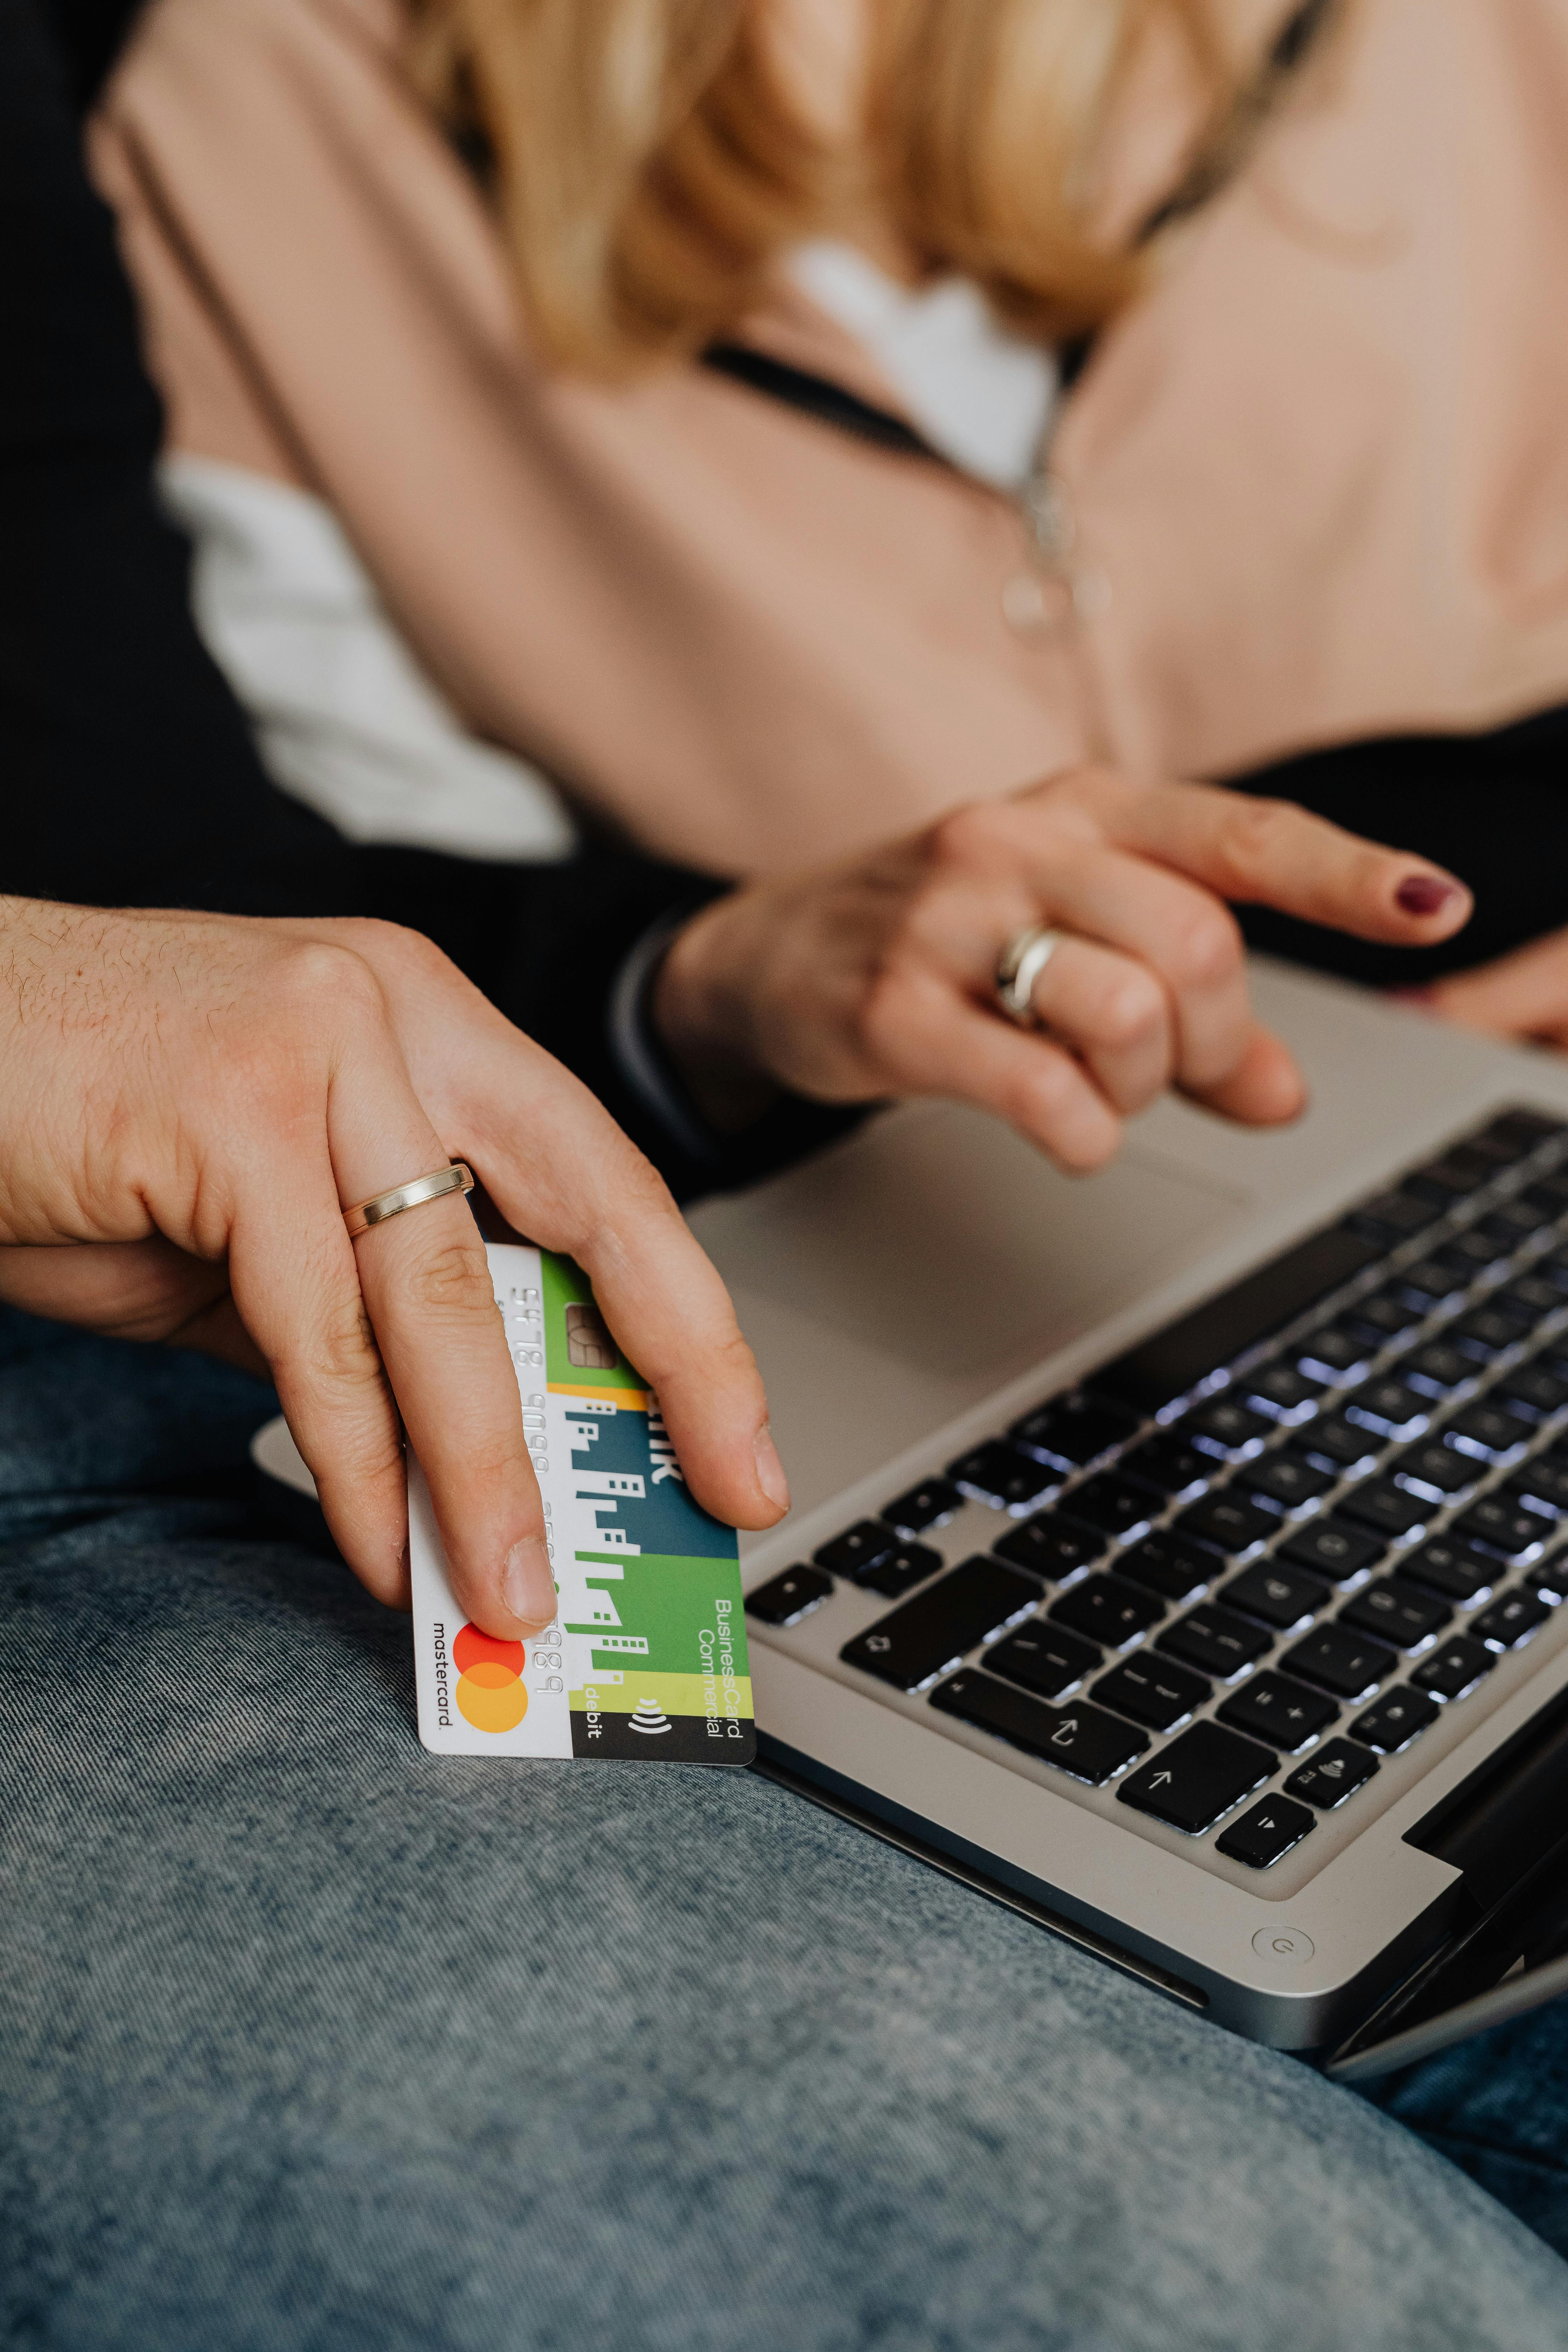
(647,1659)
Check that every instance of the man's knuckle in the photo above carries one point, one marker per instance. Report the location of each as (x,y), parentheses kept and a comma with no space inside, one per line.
(343,1351)
(381,943)
(324,983)
(446,1281)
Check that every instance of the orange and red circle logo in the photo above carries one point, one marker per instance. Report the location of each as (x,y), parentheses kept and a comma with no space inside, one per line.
(491,1693)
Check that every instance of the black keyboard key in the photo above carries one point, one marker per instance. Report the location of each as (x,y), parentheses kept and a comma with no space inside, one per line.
(1327,1548)
(1152,1691)
(1529,1298)
(1169,1465)
(1533,1390)
(1267,1831)
(1174,1569)
(1076,1740)
(1272,1706)
(1545,1482)
(1338,1770)
(1485,1332)
(1175,1359)
(1074,1430)
(1278,1593)
(1281,1389)
(1053,1547)
(1230,1522)
(1471,1252)
(1108,1610)
(1394,1217)
(1381,1318)
(1117,1505)
(1497,1523)
(1388,1406)
(907,1565)
(1333,1351)
(1512,1223)
(1199,1777)
(925,1505)
(1344,1443)
(1395,1720)
(912,1644)
(1046,1659)
(1427,1285)
(1447,1181)
(1004,1476)
(1226,1425)
(1396,1612)
(857,1549)
(1520,1132)
(1512,1620)
(1340,1660)
(1288,1479)
(1549,1195)
(1214,1641)
(1450,1567)
(1430,1462)
(785,1599)
(1490,1434)
(1380,1504)
(1551,1579)
(1454,1667)
(1440,1367)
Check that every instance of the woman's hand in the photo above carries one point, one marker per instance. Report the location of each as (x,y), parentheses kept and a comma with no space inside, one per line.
(1523,996)
(186,1105)
(878,977)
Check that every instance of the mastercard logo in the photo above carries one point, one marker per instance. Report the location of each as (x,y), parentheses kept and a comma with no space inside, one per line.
(491,1693)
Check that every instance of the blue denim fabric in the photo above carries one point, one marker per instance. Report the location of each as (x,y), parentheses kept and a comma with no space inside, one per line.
(309,2040)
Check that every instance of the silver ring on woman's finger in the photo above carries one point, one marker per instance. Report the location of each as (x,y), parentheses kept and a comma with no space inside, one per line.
(1019,966)
(454,1178)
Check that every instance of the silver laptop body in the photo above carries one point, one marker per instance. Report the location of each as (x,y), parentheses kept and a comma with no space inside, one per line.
(917,1292)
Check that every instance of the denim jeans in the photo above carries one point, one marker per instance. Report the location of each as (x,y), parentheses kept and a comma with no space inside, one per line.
(310,2040)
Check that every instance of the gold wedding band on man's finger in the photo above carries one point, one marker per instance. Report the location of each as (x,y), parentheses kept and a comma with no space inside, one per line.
(454,1178)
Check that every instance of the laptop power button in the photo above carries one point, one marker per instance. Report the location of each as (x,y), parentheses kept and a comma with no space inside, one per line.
(1287,1946)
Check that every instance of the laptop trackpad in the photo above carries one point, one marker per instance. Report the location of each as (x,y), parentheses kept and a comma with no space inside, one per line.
(907,1274)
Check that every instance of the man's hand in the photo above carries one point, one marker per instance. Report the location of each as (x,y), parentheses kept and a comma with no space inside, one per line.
(1523,996)
(876,978)
(186,1105)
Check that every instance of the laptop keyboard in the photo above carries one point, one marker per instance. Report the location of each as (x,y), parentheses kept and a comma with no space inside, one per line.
(1263,1551)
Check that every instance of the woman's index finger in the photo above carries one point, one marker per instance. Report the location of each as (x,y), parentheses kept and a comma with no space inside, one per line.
(1270,853)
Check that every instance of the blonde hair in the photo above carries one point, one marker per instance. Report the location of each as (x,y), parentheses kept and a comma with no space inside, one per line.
(649,168)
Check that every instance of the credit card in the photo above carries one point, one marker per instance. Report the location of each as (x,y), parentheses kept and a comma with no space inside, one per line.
(646,1658)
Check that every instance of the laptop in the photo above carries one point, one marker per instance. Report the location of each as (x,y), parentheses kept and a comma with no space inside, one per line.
(1178,1555)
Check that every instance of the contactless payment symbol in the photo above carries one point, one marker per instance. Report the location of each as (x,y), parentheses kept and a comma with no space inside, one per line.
(490,1691)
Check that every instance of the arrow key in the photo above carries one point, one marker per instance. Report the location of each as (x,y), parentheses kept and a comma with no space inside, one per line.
(1197,1777)
(1269,1831)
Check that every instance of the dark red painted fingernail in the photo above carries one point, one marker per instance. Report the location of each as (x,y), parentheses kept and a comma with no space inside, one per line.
(1423,894)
